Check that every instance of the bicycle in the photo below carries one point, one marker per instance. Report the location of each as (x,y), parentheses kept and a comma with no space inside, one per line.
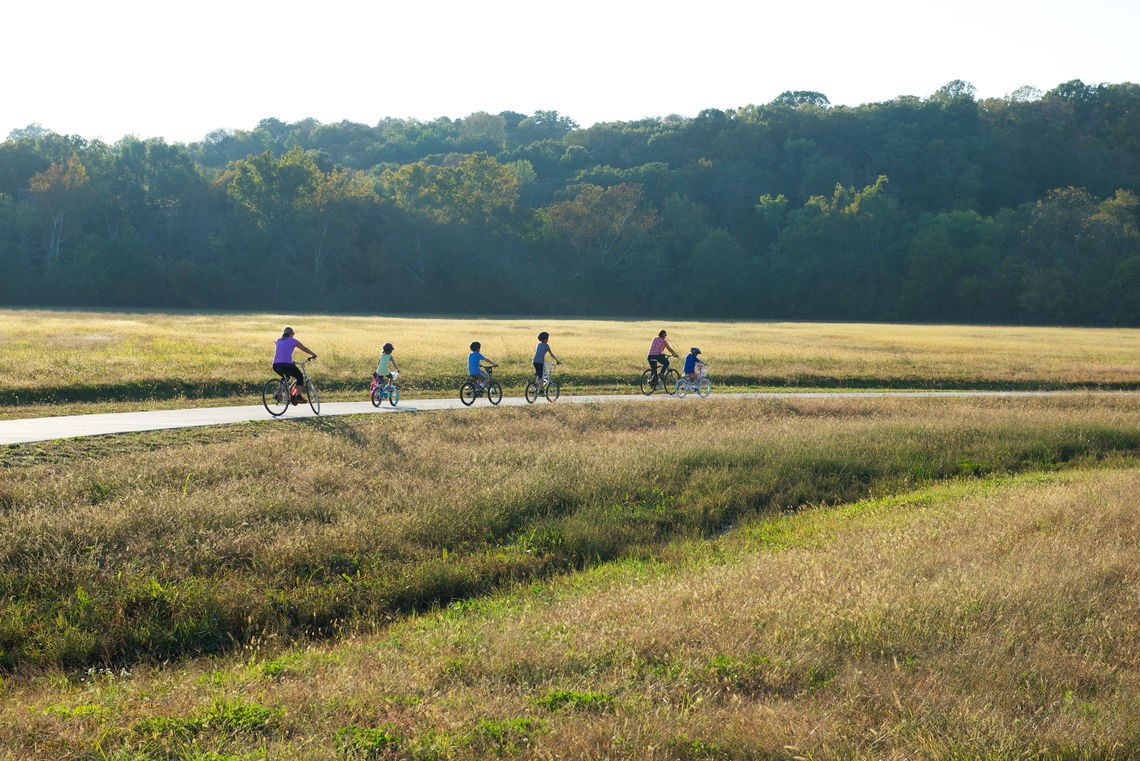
(550,387)
(666,381)
(385,388)
(702,386)
(470,389)
(277,394)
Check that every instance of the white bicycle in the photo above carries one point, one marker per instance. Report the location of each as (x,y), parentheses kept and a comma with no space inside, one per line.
(701,386)
(550,386)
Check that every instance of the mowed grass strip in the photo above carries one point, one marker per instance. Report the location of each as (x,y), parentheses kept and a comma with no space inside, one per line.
(990,618)
(327,527)
(102,360)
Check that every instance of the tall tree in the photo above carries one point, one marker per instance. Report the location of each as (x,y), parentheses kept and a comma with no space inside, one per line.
(277,194)
(57,190)
(601,226)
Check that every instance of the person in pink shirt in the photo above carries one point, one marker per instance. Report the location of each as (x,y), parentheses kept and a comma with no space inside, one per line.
(657,356)
(283,361)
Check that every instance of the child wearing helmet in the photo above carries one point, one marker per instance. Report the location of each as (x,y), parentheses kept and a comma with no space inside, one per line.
(540,353)
(474,369)
(387,364)
(692,364)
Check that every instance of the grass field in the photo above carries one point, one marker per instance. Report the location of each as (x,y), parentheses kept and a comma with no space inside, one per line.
(860,578)
(855,578)
(70,361)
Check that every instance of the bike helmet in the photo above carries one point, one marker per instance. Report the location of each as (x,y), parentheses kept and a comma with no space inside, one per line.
(694,350)
(389,347)
(543,336)
(475,345)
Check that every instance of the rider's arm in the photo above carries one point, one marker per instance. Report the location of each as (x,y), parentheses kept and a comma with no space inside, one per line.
(670,348)
(392,362)
(556,359)
(306,349)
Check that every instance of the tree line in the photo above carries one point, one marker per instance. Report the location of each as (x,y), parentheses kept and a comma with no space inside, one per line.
(1021,209)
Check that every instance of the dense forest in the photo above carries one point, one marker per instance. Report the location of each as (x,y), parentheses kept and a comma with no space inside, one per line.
(947,208)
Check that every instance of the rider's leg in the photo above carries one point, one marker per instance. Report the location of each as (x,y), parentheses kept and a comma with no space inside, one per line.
(299,385)
(653,367)
(297,380)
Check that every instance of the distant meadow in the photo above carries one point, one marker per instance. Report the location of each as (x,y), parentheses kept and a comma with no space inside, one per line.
(107,360)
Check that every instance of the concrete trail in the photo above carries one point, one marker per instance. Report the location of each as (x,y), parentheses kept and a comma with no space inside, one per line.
(27,430)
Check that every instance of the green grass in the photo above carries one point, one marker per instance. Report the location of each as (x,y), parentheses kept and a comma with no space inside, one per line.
(177,545)
(856,578)
(973,618)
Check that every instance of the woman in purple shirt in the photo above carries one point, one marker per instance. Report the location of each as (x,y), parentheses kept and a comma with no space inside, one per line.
(283,361)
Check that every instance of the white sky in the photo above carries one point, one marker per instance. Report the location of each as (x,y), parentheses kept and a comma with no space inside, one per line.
(178,70)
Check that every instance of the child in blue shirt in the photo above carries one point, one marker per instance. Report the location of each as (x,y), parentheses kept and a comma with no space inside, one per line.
(473,367)
(692,364)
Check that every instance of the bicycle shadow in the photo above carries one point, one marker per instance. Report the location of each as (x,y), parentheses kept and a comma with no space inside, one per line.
(336,427)
(341,427)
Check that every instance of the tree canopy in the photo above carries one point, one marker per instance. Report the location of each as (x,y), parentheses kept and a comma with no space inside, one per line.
(939,208)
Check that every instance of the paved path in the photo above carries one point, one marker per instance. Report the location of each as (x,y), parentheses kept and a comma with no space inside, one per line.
(74,426)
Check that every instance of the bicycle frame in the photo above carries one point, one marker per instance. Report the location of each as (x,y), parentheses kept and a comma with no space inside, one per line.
(691,382)
(547,374)
(388,383)
(282,391)
(291,383)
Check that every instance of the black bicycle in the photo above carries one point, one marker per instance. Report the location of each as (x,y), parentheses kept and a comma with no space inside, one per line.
(278,393)
(472,388)
(665,380)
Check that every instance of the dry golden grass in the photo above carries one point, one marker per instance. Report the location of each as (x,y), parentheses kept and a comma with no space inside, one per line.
(175,544)
(62,356)
(982,619)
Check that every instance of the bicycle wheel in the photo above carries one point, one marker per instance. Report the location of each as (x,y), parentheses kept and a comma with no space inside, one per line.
(647,386)
(377,396)
(275,397)
(671,377)
(467,392)
(680,388)
(704,388)
(531,392)
(494,392)
(311,392)
(394,396)
(552,390)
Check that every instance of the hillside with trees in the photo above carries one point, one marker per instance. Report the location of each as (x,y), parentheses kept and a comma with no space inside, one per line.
(947,208)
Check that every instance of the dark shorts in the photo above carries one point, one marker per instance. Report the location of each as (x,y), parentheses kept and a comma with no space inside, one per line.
(654,359)
(538,369)
(290,369)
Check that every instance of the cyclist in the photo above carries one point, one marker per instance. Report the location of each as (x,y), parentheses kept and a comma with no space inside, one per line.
(386,364)
(693,365)
(540,353)
(473,367)
(657,351)
(283,362)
